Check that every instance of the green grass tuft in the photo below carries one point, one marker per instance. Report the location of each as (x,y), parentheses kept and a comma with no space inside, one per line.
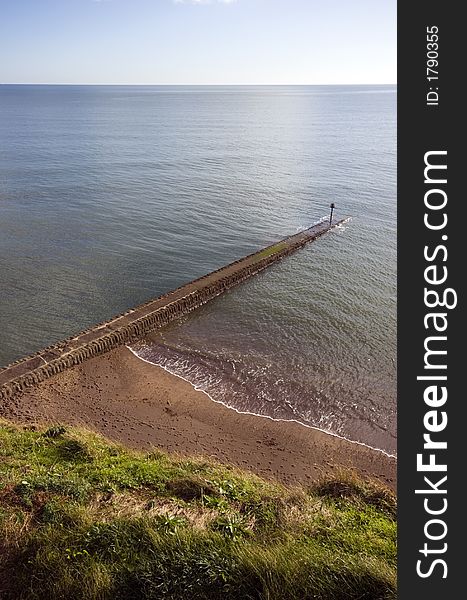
(82,518)
(271,250)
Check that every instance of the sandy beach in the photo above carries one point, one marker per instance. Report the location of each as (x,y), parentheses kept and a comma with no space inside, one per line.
(143,406)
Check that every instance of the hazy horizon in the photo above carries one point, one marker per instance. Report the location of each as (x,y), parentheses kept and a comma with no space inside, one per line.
(198,42)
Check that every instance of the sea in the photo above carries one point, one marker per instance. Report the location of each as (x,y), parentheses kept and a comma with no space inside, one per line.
(113,195)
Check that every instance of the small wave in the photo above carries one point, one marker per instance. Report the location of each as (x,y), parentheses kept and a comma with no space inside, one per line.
(343,226)
(219,389)
(340,227)
(318,222)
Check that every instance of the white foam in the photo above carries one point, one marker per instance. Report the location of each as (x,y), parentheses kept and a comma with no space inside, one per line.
(341,227)
(242,412)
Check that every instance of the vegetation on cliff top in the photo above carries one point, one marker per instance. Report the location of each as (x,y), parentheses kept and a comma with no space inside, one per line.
(83,518)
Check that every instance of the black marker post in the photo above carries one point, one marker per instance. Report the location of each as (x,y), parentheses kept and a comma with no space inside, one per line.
(332,210)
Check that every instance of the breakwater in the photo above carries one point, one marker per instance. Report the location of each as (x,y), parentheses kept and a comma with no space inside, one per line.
(135,323)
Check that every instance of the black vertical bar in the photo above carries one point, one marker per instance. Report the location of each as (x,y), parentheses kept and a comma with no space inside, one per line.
(427,111)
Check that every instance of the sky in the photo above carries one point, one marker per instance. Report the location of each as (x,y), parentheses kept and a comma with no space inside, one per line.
(198,42)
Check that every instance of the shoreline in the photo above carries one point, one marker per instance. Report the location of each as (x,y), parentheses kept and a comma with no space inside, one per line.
(253,414)
(142,405)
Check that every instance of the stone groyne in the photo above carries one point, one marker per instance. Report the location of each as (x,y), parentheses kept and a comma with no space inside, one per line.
(137,322)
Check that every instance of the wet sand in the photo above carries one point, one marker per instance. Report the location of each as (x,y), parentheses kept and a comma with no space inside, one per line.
(142,406)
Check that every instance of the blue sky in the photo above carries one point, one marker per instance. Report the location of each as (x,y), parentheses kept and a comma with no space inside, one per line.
(198,41)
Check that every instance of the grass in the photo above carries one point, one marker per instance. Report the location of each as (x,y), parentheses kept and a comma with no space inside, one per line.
(271,250)
(82,518)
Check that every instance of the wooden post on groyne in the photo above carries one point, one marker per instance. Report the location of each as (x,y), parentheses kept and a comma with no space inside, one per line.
(137,322)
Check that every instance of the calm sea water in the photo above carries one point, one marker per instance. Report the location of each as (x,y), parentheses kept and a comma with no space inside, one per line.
(110,196)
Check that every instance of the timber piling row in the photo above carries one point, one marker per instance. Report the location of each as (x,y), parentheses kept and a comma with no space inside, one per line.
(134,324)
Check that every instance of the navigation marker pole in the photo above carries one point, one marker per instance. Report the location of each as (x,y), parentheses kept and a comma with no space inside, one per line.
(332,210)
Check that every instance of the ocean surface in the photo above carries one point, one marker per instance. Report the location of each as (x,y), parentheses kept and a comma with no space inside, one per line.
(112,195)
